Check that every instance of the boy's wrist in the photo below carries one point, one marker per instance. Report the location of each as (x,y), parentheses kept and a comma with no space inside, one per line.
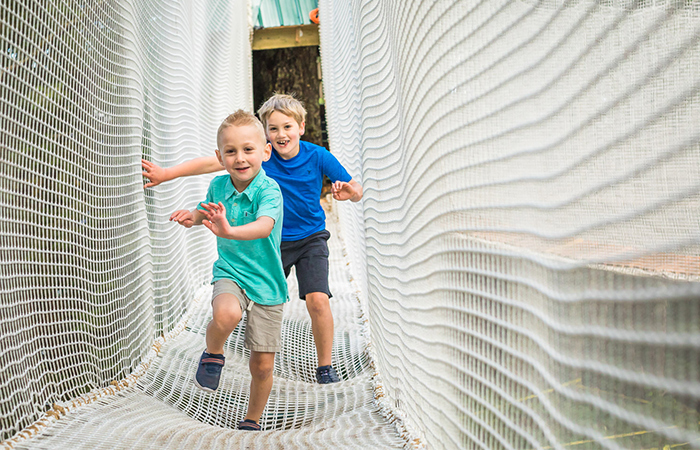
(197,216)
(231,234)
(356,195)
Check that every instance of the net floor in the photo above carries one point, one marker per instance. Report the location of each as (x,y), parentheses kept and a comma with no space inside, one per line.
(166,411)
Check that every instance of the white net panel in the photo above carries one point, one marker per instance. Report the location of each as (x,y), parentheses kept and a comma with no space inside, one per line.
(531,214)
(527,250)
(100,330)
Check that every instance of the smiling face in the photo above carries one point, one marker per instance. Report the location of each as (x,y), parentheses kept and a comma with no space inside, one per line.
(242,150)
(284,132)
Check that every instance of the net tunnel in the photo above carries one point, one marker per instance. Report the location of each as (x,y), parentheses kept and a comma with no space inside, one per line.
(522,272)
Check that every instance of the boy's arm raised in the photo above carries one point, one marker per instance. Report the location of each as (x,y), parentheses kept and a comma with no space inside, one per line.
(196,166)
(217,222)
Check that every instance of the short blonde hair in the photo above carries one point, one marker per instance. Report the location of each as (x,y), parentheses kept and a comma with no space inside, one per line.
(284,103)
(241,118)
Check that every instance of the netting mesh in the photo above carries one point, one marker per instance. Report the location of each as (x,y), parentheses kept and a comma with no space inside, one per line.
(527,252)
(100,334)
(531,214)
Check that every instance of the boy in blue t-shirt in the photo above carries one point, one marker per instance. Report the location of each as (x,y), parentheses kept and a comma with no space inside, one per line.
(244,210)
(299,168)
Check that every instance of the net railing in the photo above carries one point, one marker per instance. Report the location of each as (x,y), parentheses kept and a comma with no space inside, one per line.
(522,272)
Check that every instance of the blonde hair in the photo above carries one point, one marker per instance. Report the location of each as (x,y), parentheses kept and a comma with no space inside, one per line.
(241,118)
(284,103)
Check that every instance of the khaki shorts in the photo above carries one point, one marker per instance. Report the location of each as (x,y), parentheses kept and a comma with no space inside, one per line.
(263,330)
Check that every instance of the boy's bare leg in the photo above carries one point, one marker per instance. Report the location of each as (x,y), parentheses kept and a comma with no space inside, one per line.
(319,307)
(261,365)
(226,315)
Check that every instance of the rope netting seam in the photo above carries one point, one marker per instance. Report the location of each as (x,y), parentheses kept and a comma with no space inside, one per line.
(62,409)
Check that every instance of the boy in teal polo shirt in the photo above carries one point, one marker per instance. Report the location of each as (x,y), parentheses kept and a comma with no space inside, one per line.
(299,168)
(244,210)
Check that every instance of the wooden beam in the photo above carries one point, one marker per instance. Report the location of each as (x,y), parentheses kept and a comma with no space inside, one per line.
(284,37)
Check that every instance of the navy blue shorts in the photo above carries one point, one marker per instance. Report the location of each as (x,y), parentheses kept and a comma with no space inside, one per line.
(310,257)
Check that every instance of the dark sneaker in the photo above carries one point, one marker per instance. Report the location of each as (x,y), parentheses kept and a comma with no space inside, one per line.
(249,425)
(209,371)
(326,375)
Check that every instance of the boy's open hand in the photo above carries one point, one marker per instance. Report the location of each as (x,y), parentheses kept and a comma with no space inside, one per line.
(216,220)
(342,191)
(154,173)
(183,217)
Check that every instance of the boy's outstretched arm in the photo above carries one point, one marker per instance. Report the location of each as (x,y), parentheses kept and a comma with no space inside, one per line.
(216,221)
(187,218)
(196,166)
(352,190)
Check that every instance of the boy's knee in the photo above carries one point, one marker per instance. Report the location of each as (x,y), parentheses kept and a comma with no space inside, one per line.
(260,373)
(227,317)
(317,303)
(262,370)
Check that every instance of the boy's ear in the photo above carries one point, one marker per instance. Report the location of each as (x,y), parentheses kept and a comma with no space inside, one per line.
(302,128)
(267,151)
(218,156)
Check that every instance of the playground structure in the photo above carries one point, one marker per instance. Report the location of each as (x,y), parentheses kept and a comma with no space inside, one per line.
(522,272)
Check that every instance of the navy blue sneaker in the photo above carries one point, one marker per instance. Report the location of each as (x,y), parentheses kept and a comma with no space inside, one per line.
(249,425)
(209,371)
(326,375)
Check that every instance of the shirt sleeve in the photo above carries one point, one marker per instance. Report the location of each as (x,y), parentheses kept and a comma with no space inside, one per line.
(209,196)
(331,167)
(270,204)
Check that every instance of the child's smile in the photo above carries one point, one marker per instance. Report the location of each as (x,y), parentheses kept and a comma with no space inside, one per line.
(242,151)
(284,132)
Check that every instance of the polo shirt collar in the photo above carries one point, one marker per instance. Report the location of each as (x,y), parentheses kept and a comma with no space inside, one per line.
(249,192)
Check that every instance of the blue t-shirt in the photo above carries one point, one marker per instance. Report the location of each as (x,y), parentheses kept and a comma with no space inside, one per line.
(255,265)
(301,179)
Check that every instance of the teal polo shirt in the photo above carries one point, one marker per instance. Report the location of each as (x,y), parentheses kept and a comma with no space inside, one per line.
(255,265)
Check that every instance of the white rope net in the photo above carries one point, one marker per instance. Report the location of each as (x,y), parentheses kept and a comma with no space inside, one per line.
(104,302)
(531,219)
(527,253)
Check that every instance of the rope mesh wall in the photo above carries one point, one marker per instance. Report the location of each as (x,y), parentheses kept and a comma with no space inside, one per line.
(527,250)
(531,216)
(100,335)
